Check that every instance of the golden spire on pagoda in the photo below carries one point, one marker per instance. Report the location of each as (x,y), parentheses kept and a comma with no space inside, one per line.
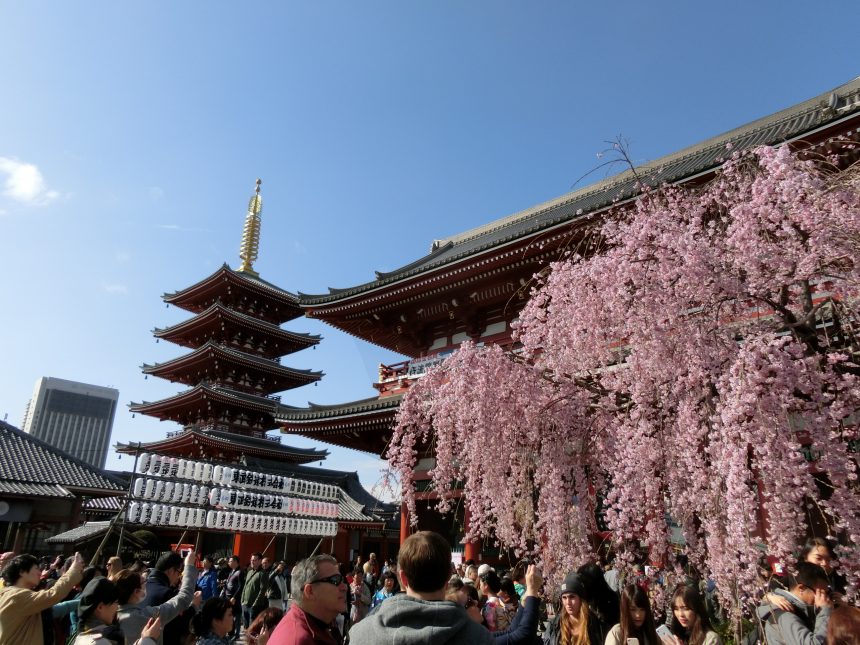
(251,233)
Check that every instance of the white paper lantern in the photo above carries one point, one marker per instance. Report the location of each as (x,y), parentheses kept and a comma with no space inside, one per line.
(198,471)
(155,465)
(145,513)
(178,491)
(133,512)
(143,462)
(159,488)
(138,487)
(211,519)
(203,495)
(207,473)
(167,493)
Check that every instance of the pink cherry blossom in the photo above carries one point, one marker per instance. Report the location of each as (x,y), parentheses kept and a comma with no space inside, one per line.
(676,370)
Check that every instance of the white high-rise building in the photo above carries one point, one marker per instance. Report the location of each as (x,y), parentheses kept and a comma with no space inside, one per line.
(75,417)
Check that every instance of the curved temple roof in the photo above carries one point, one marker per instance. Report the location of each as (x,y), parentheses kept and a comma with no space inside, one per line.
(208,289)
(229,442)
(217,311)
(787,125)
(292,377)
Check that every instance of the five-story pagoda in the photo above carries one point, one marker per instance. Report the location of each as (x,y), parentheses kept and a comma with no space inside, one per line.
(234,368)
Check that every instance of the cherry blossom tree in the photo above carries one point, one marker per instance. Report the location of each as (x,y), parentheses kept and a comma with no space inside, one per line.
(674,365)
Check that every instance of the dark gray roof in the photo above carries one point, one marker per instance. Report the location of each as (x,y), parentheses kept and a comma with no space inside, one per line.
(31,467)
(788,125)
(80,534)
(352,408)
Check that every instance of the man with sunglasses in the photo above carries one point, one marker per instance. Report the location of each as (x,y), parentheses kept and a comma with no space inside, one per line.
(318,592)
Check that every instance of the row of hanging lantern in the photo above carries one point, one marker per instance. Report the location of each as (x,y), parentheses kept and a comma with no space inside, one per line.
(232,521)
(165,515)
(232,498)
(205,473)
(159,490)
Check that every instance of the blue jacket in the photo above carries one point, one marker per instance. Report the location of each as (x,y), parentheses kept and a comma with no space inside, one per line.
(208,583)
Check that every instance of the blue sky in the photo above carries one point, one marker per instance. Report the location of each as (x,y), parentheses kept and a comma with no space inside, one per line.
(131,134)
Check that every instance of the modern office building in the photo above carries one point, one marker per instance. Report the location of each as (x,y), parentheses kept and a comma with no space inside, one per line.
(76,418)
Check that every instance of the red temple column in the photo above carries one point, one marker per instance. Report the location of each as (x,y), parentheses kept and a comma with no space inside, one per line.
(471,550)
(404,522)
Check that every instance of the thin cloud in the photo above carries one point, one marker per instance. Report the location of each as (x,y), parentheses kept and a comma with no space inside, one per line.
(177,227)
(115,289)
(23,182)
(156,193)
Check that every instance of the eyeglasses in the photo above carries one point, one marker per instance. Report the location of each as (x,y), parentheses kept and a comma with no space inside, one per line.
(335,580)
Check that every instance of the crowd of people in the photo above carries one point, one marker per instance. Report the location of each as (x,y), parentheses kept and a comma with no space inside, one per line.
(422,598)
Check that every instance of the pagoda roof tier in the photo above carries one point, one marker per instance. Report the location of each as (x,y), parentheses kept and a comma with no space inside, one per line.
(227,447)
(206,405)
(361,425)
(211,361)
(238,290)
(218,319)
(455,262)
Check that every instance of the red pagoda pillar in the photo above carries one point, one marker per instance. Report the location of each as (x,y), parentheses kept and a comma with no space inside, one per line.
(404,522)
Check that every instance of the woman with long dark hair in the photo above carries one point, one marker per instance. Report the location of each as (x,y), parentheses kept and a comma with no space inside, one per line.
(213,622)
(690,624)
(636,619)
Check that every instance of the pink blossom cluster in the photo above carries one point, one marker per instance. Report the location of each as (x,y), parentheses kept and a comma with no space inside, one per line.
(677,371)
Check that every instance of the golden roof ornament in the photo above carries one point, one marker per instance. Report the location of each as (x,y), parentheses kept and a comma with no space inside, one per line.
(251,233)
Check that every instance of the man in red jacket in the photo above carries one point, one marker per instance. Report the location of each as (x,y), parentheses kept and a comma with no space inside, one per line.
(319,596)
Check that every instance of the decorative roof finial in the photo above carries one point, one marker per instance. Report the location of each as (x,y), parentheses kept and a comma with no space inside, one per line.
(251,233)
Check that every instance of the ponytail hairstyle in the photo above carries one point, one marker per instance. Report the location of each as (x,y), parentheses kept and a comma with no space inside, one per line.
(693,634)
(633,597)
(212,610)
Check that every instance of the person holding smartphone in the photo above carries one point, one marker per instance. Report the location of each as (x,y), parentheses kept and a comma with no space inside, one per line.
(636,626)
(134,612)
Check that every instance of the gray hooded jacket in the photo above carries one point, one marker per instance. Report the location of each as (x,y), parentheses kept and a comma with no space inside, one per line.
(404,620)
(798,627)
(133,618)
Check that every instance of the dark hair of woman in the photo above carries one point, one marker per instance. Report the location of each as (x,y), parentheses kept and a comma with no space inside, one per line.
(269,617)
(635,597)
(604,601)
(491,579)
(843,628)
(88,575)
(127,582)
(695,632)
(507,585)
(212,610)
(814,543)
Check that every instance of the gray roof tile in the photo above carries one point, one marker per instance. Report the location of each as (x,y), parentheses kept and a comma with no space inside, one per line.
(35,466)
